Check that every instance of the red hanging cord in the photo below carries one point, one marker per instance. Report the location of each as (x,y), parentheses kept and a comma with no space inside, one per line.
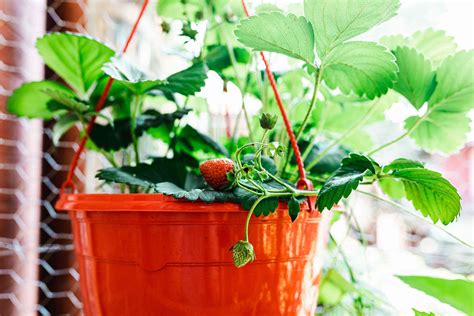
(303,182)
(69,183)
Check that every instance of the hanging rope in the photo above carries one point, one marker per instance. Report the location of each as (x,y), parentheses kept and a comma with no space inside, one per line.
(69,183)
(303,182)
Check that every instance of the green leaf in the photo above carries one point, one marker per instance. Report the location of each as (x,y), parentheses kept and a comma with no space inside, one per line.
(402,163)
(186,82)
(440,131)
(30,101)
(416,81)
(455,90)
(247,199)
(457,293)
(445,126)
(364,68)
(435,45)
(65,100)
(336,21)
(274,32)
(202,147)
(430,193)
(218,57)
(333,288)
(129,75)
(112,137)
(346,179)
(64,123)
(203,194)
(329,163)
(419,313)
(293,208)
(392,187)
(76,58)
(147,175)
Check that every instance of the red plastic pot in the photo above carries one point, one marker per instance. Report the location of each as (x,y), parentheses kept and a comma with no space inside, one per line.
(149,254)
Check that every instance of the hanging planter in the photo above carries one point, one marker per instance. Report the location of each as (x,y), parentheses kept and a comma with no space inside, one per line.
(234,227)
(146,254)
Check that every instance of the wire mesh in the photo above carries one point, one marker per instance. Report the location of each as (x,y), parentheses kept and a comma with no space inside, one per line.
(37,270)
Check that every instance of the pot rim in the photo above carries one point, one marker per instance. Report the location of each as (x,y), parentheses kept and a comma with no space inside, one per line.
(142,202)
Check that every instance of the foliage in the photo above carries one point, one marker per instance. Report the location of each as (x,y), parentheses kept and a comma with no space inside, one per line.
(457,293)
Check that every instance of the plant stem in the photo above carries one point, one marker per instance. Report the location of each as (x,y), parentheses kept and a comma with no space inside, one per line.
(317,80)
(408,211)
(408,132)
(136,106)
(252,209)
(346,134)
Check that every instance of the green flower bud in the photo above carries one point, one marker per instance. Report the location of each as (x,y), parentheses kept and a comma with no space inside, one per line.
(242,253)
(165,26)
(268,121)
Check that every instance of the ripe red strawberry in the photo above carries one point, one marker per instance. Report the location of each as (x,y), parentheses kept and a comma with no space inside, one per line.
(215,172)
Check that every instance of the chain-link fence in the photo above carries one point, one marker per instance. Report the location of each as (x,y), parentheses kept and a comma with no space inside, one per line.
(37,270)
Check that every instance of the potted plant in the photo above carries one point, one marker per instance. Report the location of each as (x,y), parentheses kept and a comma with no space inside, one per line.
(159,245)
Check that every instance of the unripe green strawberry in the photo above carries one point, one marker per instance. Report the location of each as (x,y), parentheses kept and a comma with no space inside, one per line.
(242,253)
(215,171)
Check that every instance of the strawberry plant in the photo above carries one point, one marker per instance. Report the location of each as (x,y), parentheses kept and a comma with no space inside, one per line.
(336,86)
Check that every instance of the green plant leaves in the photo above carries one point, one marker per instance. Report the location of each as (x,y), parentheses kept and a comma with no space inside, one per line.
(186,82)
(202,147)
(402,163)
(346,179)
(336,21)
(333,288)
(445,125)
(147,175)
(457,293)
(455,90)
(29,100)
(419,313)
(76,58)
(129,75)
(293,208)
(64,123)
(218,57)
(364,68)
(247,199)
(112,137)
(416,81)
(65,100)
(434,45)
(430,193)
(440,131)
(274,32)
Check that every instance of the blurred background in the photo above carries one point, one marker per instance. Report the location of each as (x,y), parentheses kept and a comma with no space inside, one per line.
(375,241)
